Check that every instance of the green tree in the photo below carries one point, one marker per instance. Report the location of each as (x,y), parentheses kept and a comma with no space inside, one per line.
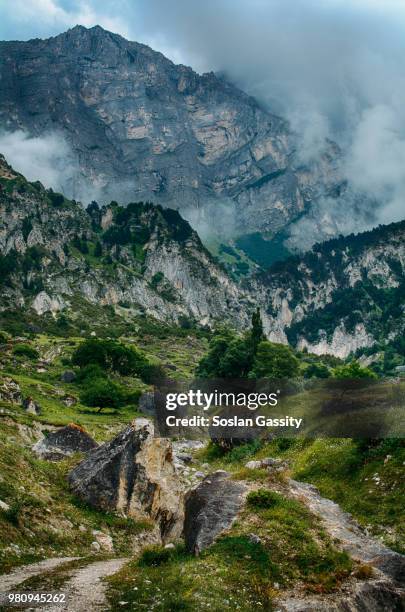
(98,250)
(317,370)
(103,393)
(353,370)
(256,332)
(274,361)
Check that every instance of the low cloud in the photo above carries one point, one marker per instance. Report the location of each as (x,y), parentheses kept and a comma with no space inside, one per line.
(48,158)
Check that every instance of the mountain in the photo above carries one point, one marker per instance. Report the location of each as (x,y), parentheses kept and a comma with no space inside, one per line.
(55,255)
(343,295)
(143,128)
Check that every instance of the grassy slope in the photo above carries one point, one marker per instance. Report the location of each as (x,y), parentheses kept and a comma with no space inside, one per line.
(44,518)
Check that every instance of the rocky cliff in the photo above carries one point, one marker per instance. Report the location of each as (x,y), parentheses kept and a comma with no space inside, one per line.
(342,296)
(55,257)
(141,127)
(143,257)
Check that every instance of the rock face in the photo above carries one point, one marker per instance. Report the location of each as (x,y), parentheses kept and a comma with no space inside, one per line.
(160,264)
(10,391)
(64,442)
(210,509)
(133,474)
(142,128)
(327,299)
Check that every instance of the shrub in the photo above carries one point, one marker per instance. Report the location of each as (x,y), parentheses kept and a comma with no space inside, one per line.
(263,498)
(274,361)
(25,350)
(155,556)
(103,393)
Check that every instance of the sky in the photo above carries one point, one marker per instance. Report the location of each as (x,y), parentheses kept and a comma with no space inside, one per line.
(334,68)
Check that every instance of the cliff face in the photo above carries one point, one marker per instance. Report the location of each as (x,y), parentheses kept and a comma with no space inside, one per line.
(143,128)
(54,252)
(342,296)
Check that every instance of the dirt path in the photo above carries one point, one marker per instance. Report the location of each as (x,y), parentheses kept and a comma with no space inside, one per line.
(20,574)
(384,591)
(85,589)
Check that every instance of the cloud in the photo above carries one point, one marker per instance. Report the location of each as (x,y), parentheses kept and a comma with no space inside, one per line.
(48,158)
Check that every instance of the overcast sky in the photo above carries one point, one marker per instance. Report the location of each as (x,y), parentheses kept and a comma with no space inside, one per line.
(332,67)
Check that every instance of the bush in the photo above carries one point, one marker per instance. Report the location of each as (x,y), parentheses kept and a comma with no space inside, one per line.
(25,350)
(90,372)
(274,361)
(103,393)
(110,355)
(155,556)
(263,498)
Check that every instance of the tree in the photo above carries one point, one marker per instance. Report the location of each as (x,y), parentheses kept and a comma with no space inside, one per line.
(98,250)
(236,361)
(110,355)
(274,361)
(256,332)
(103,393)
(317,370)
(353,370)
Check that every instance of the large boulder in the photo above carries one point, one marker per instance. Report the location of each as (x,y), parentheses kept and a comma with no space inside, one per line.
(146,403)
(64,442)
(210,509)
(133,474)
(31,406)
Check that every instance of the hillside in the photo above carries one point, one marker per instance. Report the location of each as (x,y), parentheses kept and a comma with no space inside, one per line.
(56,257)
(343,296)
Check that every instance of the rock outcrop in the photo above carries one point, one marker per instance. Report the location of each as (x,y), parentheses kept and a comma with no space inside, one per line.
(64,442)
(133,474)
(210,509)
(10,391)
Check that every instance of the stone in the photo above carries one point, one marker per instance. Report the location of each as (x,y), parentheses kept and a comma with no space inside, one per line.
(30,406)
(69,400)
(64,442)
(4,506)
(105,541)
(68,376)
(210,509)
(95,546)
(10,391)
(170,545)
(134,475)
(254,538)
(267,463)
(146,403)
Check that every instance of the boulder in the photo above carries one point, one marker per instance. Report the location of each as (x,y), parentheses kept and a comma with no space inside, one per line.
(146,403)
(10,391)
(133,474)
(64,442)
(30,406)
(105,541)
(210,509)
(69,400)
(68,376)
(268,463)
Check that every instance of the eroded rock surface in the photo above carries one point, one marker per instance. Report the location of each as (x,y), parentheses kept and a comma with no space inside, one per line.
(64,442)
(210,509)
(133,474)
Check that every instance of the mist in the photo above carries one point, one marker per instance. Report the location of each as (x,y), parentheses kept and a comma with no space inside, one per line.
(48,158)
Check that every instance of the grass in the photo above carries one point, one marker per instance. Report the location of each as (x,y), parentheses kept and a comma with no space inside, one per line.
(366,484)
(237,572)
